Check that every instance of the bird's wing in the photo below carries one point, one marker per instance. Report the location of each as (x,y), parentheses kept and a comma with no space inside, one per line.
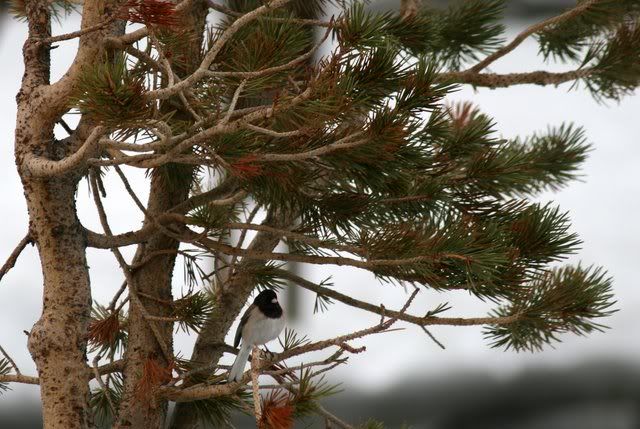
(243,321)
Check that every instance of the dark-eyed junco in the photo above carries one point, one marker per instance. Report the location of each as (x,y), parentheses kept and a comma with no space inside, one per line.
(262,322)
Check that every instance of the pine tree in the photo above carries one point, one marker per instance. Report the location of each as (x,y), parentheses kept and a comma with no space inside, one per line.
(353,157)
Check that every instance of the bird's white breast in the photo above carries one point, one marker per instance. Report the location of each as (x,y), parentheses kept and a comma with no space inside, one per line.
(261,329)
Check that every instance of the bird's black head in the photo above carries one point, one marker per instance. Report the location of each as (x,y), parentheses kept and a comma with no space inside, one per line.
(267,301)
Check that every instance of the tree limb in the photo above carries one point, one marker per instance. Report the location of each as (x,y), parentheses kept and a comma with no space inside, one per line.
(494,80)
(416,320)
(581,7)
(13,257)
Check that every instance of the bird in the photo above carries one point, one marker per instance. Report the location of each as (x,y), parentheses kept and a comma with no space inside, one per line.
(262,322)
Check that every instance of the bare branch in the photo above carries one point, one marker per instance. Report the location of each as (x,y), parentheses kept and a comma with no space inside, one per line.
(581,7)
(79,33)
(234,101)
(201,72)
(493,80)
(271,133)
(13,257)
(400,315)
(27,379)
(271,70)
(19,378)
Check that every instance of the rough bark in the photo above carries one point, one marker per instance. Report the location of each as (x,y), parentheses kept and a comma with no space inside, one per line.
(153,281)
(153,284)
(57,341)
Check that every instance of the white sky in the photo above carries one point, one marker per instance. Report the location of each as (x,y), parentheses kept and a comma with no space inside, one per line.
(604,210)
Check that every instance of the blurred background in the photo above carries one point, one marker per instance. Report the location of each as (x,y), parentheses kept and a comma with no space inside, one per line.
(404,378)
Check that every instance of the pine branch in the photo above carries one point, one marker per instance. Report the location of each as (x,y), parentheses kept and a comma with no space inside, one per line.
(568,299)
(325,260)
(383,311)
(208,59)
(529,31)
(493,80)
(275,69)
(68,36)
(227,11)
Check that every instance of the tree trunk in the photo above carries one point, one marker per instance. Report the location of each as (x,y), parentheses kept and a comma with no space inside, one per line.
(154,279)
(57,341)
(153,284)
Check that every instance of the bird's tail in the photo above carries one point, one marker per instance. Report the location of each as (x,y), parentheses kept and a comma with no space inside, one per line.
(238,365)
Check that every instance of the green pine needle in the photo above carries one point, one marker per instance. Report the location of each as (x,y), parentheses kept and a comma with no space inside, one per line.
(5,368)
(569,299)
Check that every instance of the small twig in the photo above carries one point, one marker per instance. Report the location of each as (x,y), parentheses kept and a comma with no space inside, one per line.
(234,101)
(227,11)
(243,234)
(344,143)
(331,360)
(332,417)
(13,257)
(112,304)
(528,32)
(79,33)
(271,133)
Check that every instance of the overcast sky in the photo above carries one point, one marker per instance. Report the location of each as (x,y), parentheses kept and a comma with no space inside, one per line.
(604,209)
